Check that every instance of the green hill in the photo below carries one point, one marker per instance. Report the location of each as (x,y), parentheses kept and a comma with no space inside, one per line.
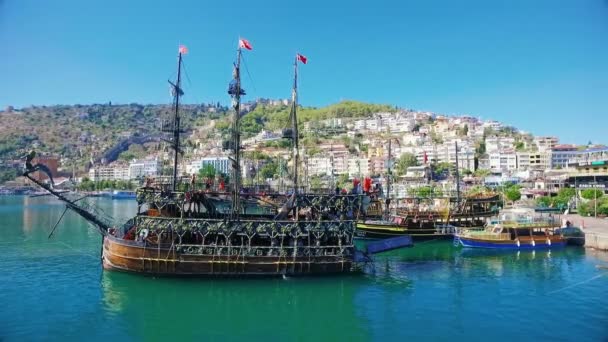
(277,117)
(79,131)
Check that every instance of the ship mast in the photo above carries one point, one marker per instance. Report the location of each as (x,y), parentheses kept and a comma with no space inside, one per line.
(294,127)
(177,92)
(388,179)
(236,136)
(457,175)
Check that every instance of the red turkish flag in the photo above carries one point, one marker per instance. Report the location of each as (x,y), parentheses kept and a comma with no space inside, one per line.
(301,58)
(367,184)
(183,49)
(244,44)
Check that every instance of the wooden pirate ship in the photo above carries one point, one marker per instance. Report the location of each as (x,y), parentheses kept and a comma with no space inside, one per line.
(380,221)
(428,223)
(187,233)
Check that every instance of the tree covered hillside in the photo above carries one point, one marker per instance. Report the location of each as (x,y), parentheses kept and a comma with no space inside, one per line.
(80,131)
(277,117)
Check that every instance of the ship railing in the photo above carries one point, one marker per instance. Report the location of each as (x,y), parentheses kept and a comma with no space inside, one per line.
(531,225)
(442,213)
(239,247)
(342,203)
(486,236)
(483,197)
(246,227)
(185,219)
(264,251)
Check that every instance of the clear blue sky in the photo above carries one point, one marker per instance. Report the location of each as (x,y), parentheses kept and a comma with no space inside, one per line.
(539,65)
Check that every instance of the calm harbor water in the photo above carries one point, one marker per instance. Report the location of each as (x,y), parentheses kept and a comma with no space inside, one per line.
(56,290)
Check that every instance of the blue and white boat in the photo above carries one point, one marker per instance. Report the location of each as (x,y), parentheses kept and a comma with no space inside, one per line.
(531,234)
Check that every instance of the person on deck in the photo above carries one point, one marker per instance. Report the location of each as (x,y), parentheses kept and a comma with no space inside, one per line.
(356,183)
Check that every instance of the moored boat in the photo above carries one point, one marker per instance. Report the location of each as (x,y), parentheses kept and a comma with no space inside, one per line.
(424,224)
(531,234)
(398,226)
(574,235)
(424,218)
(123,194)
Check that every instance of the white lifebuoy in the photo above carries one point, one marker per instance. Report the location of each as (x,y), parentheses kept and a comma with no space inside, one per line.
(548,241)
(517,241)
(143,234)
(533,243)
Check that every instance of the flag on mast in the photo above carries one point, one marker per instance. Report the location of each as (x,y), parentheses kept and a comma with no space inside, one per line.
(301,58)
(244,44)
(183,49)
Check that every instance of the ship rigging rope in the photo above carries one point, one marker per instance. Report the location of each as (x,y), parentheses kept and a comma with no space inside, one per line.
(171,249)
(186,73)
(248,74)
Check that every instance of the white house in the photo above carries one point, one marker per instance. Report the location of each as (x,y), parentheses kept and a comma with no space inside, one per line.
(220,164)
(503,161)
(144,167)
(358,167)
(318,166)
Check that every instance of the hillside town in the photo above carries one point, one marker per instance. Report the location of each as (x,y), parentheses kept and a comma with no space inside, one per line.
(413,148)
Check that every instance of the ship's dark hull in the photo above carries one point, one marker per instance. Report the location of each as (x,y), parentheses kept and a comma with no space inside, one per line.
(130,256)
(385,231)
(429,228)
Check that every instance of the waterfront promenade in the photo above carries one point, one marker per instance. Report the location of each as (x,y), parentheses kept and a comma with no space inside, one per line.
(596,230)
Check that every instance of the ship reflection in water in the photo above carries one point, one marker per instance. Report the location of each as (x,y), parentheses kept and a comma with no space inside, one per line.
(256,309)
(441,258)
(400,291)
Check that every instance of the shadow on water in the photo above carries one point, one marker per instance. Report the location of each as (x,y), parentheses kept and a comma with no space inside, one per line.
(432,254)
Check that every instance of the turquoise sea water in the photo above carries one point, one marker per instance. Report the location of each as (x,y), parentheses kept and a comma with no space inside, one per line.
(56,290)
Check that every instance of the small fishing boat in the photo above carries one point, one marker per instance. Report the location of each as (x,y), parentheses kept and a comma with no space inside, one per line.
(574,235)
(520,234)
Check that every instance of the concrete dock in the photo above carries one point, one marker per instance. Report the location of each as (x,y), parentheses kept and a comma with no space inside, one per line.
(596,230)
